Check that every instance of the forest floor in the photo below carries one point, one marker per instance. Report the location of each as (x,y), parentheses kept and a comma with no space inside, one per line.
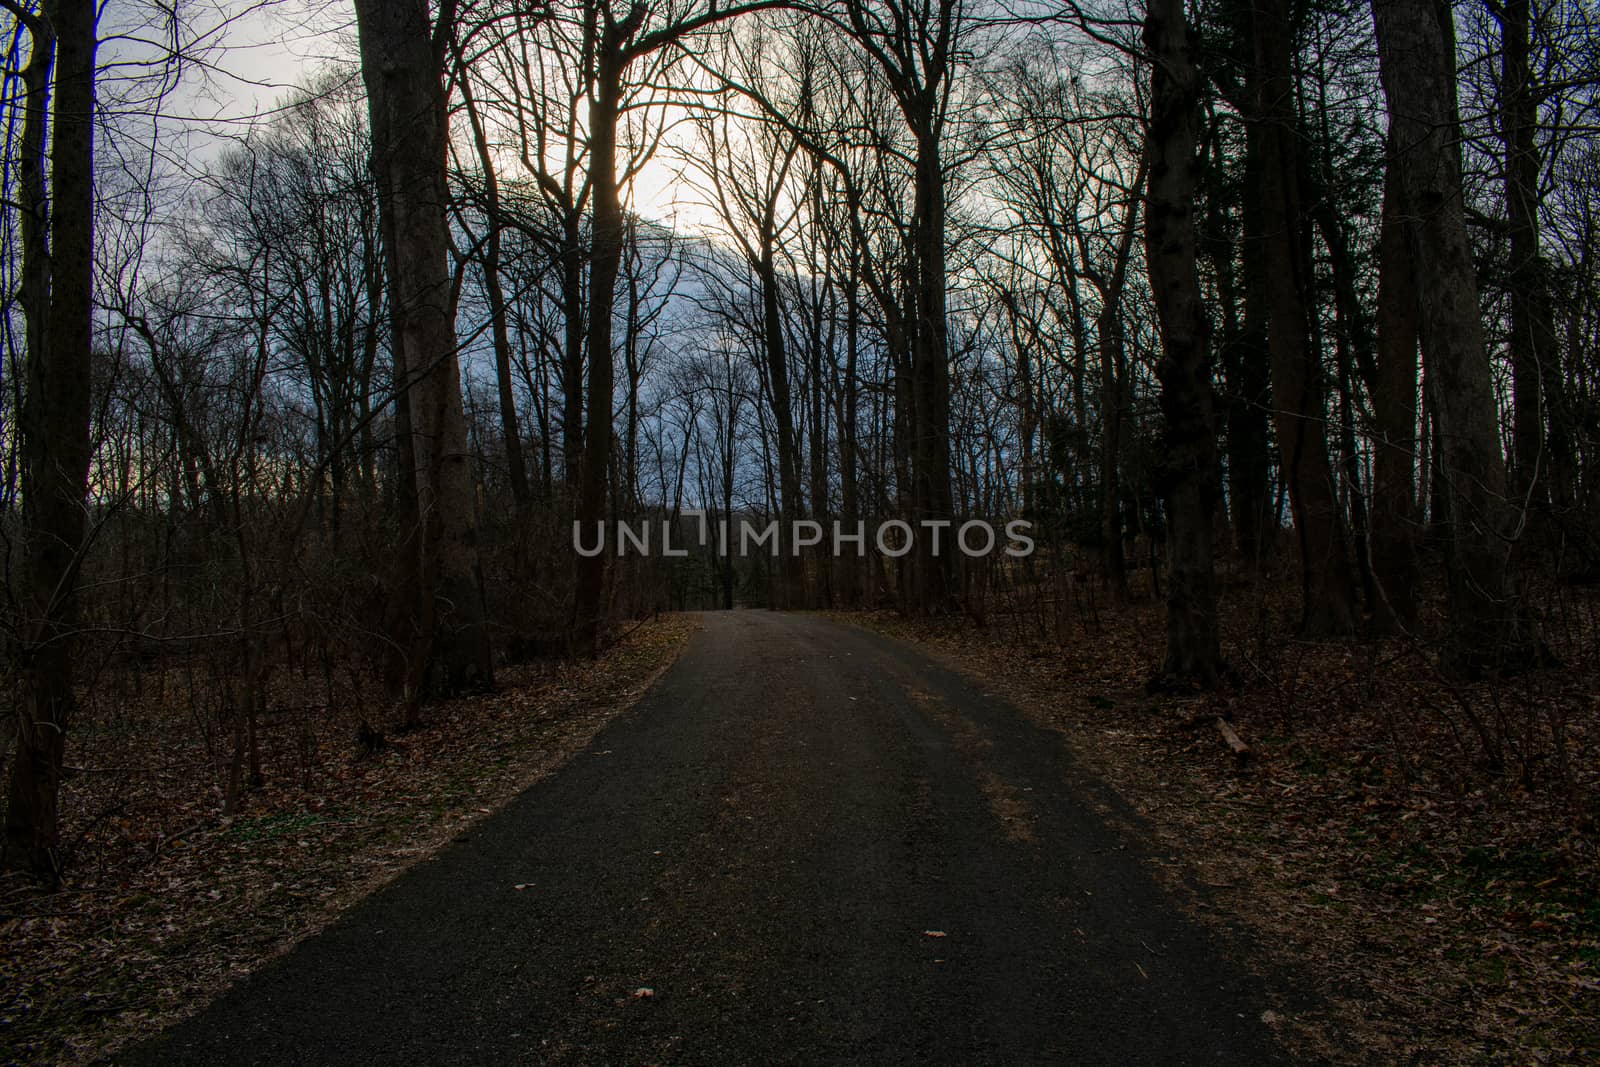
(166,903)
(1423,852)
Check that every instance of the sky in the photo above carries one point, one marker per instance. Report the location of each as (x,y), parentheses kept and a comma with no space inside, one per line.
(261,54)
(260,51)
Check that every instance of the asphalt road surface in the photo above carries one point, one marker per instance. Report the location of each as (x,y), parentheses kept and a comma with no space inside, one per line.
(807,844)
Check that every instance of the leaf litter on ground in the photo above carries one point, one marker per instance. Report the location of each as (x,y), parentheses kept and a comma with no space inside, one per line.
(167,902)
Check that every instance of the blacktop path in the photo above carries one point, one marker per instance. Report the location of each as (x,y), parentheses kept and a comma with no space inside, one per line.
(806,844)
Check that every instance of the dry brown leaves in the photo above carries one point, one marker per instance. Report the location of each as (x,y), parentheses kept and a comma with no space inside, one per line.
(167,902)
(1422,901)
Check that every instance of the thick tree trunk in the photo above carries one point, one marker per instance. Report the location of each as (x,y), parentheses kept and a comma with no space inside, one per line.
(604,264)
(1489,628)
(408,615)
(1189,475)
(1300,410)
(1394,400)
(403,72)
(55,424)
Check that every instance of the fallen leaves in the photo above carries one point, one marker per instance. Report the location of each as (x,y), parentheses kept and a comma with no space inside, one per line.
(168,902)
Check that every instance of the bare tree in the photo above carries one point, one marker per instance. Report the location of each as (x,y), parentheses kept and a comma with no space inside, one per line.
(748,174)
(612,46)
(918,49)
(1300,407)
(494,224)
(59,305)
(1189,474)
(1394,512)
(1489,627)
(402,62)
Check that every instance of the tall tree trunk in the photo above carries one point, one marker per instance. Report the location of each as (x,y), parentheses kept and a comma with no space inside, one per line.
(730,465)
(408,615)
(901,437)
(1111,347)
(1350,460)
(632,255)
(849,460)
(1489,628)
(1247,365)
(1027,420)
(1356,348)
(604,264)
(516,466)
(817,482)
(571,370)
(1112,379)
(34,216)
(403,67)
(55,424)
(1394,403)
(1300,409)
(931,375)
(1190,461)
(791,590)
(1532,329)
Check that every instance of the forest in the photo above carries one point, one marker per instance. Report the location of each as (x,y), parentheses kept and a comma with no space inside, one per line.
(1277,323)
